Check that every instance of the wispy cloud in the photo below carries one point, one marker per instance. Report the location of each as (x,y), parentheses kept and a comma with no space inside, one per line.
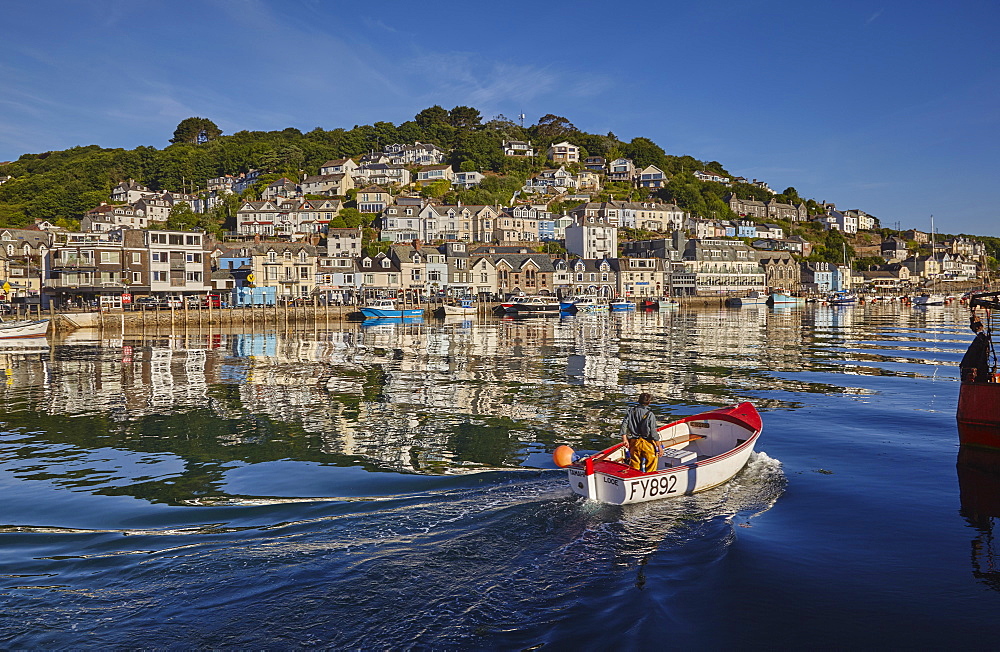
(874,17)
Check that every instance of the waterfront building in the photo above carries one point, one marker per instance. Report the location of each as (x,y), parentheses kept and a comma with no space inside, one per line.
(594,276)
(816,277)
(781,271)
(484,275)
(24,257)
(718,267)
(458,278)
(524,274)
(287,267)
(639,277)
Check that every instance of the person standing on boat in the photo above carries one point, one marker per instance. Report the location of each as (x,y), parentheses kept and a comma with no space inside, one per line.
(640,435)
(975,366)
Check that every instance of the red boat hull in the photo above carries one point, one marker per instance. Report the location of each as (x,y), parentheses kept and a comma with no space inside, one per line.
(979,415)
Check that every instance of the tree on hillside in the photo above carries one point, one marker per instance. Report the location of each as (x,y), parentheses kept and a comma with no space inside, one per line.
(434,116)
(196,131)
(505,128)
(644,152)
(552,127)
(464,117)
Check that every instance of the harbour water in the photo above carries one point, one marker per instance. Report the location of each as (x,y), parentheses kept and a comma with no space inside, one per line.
(391,486)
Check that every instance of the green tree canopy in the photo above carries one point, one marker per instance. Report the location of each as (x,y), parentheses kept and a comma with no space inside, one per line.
(196,131)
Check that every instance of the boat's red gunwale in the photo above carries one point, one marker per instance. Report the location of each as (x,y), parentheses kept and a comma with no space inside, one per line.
(751,422)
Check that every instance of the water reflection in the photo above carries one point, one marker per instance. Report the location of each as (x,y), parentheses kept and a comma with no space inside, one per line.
(979,488)
(432,397)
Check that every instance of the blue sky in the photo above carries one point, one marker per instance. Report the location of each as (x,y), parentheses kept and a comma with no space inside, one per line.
(890,107)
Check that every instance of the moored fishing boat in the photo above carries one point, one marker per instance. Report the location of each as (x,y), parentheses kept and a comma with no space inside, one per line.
(752,298)
(781,298)
(927,299)
(841,299)
(978,412)
(621,304)
(465,306)
(23,329)
(585,303)
(535,305)
(701,451)
(387,308)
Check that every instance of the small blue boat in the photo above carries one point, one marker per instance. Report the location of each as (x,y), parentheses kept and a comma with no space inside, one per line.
(621,305)
(387,308)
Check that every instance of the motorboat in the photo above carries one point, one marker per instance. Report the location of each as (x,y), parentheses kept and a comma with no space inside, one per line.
(23,328)
(779,298)
(752,298)
(841,299)
(387,308)
(700,452)
(621,304)
(535,305)
(927,299)
(586,303)
(649,303)
(465,306)
(978,412)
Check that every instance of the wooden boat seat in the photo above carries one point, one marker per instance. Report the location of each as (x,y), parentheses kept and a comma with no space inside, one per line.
(680,439)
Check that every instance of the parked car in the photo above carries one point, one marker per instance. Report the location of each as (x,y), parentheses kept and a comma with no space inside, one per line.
(175,301)
(144,303)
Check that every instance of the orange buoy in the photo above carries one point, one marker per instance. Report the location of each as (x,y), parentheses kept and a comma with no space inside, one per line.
(562,456)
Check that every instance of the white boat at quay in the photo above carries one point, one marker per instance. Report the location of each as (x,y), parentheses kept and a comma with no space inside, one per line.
(752,298)
(464,307)
(926,299)
(701,451)
(535,305)
(585,303)
(22,329)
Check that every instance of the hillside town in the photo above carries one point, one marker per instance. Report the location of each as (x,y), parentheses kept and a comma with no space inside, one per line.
(283,245)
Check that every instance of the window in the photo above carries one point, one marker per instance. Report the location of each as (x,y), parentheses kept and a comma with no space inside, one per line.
(303,272)
(194,277)
(136,258)
(193,258)
(137,277)
(272,257)
(159,276)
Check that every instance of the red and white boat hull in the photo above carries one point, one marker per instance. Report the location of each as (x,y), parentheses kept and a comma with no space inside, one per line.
(979,415)
(703,451)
